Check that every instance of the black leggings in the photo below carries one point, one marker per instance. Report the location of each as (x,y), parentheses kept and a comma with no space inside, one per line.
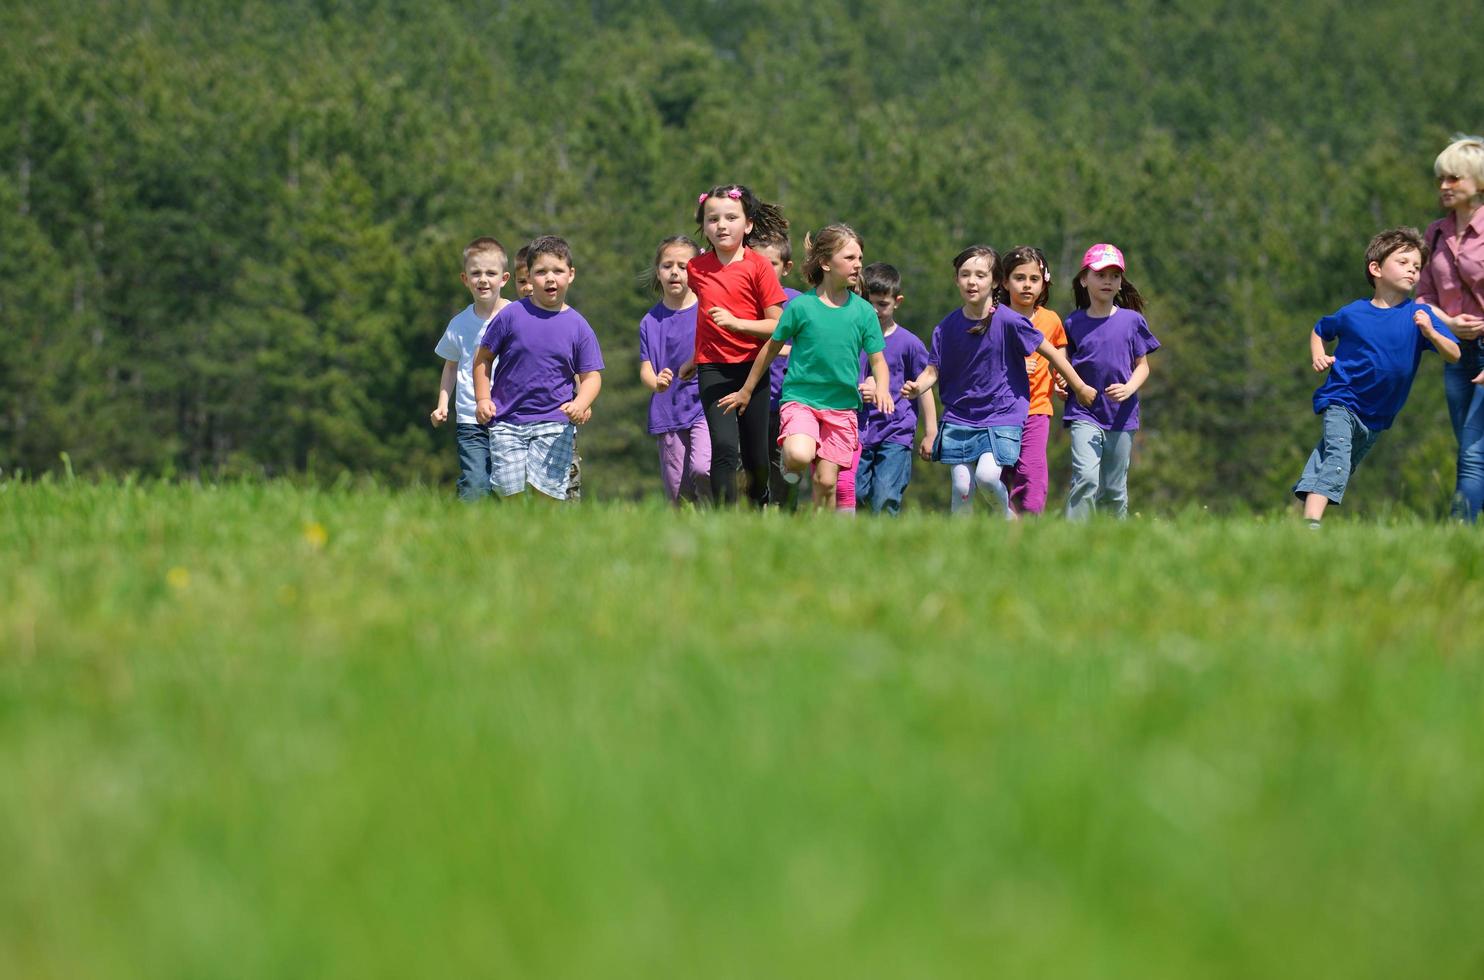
(738,444)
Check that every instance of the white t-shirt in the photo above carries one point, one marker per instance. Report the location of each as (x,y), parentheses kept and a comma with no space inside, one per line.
(460,341)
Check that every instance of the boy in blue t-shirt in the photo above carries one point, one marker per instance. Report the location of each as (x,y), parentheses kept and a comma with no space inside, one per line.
(1381,341)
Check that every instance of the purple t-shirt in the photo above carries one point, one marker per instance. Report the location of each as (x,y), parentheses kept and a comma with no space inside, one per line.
(1103,351)
(982,376)
(539,352)
(906,356)
(667,339)
(779,367)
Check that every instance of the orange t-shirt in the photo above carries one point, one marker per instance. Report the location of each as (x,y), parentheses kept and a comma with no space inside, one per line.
(1037,366)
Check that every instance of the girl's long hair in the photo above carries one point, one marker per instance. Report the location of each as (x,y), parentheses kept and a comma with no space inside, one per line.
(767,219)
(1128,297)
(974,252)
(1015,258)
(824,243)
(651,276)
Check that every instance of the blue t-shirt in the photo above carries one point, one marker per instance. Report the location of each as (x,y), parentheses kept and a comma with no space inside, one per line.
(1376,359)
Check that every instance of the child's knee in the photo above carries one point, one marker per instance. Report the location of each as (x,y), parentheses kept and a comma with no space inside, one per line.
(798,453)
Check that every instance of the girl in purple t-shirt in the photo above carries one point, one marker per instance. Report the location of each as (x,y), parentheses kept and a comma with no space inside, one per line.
(667,339)
(977,359)
(1109,343)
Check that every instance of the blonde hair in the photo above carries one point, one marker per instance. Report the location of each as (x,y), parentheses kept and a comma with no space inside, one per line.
(820,246)
(1464,157)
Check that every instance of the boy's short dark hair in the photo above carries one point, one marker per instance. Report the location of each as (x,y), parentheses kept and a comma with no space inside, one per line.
(522,257)
(480,246)
(773,240)
(881,279)
(1392,240)
(548,245)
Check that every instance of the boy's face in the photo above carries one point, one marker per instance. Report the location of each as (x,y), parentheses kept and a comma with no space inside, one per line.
(550,279)
(774,255)
(485,275)
(886,308)
(523,287)
(1399,270)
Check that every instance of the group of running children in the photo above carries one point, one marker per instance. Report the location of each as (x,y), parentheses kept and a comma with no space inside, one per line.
(847,386)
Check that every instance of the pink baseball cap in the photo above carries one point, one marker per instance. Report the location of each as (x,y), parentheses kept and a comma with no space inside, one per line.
(1101,256)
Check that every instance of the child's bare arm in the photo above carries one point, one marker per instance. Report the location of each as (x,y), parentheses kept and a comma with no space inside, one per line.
(445,392)
(1448,348)
(1322,362)
(589,383)
(927,407)
(653,381)
(921,384)
(1140,374)
(484,408)
(886,403)
(1086,393)
(739,399)
(753,328)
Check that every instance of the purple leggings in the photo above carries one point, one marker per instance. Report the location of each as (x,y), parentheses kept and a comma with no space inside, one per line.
(1027,480)
(685,463)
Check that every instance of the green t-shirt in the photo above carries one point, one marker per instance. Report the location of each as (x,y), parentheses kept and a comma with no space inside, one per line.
(824,367)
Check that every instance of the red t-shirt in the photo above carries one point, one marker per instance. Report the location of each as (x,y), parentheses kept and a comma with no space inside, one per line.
(744,289)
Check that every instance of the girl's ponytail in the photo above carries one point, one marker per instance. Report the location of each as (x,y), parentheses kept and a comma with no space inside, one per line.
(768,222)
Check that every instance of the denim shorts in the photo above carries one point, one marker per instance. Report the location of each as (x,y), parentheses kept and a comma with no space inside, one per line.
(1343,445)
(965,443)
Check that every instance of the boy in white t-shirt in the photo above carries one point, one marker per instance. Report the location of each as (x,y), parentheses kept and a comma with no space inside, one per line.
(485,274)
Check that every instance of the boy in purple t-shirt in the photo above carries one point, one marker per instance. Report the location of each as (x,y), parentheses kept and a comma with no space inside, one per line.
(885,466)
(1381,343)
(546,379)
(781,493)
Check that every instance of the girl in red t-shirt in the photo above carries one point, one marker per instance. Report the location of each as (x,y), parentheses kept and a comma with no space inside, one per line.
(739,300)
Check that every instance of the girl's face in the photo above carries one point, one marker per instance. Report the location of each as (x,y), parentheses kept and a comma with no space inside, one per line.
(670,271)
(1456,192)
(1025,285)
(976,279)
(725,223)
(1103,284)
(846,264)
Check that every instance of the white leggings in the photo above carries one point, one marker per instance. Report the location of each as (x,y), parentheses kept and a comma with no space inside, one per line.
(986,474)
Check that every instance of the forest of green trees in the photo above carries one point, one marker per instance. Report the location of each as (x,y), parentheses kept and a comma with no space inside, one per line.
(230,232)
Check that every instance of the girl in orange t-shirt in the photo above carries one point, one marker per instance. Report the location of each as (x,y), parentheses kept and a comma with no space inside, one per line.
(1024,283)
(739,300)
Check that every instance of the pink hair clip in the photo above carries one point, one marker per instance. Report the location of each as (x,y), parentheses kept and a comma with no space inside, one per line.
(735,194)
(702,198)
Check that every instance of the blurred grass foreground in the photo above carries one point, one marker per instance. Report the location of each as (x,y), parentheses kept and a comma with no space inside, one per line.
(267,731)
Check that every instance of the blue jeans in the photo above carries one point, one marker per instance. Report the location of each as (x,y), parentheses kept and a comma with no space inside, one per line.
(1344,443)
(885,470)
(1099,471)
(1466,413)
(474,461)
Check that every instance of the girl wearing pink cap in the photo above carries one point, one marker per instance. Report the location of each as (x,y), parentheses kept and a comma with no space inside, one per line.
(1109,344)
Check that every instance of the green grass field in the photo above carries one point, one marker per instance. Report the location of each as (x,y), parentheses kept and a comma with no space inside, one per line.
(262,731)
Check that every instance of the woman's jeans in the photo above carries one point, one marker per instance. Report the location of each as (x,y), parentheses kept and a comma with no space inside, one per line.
(1466,413)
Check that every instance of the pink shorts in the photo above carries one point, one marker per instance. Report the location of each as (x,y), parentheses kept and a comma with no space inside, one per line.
(832,429)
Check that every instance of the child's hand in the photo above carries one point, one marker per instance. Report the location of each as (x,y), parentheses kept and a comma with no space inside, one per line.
(575,415)
(737,399)
(1422,320)
(439,416)
(1479,378)
(1086,395)
(1322,363)
(663,379)
(886,403)
(926,449)
(484,411)
(911,389)
(723,319)
(867,390)
(1120,393)
(687,371)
